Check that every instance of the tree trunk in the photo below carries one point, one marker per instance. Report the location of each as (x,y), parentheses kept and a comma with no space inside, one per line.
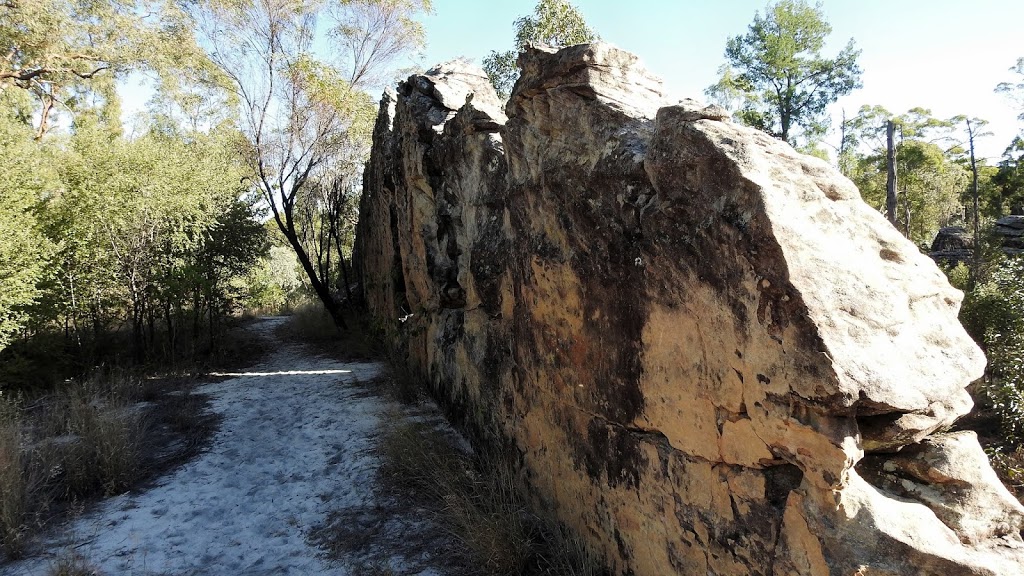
(341,261)
(842,145)
(890,179)
(976,253)
(322,289)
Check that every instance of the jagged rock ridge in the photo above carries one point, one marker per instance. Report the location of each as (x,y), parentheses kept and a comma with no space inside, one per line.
(711,356)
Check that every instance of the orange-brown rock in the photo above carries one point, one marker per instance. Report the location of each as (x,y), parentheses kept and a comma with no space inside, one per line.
(711,355)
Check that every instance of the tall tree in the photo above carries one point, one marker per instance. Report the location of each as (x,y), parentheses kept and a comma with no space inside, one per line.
(554,22)
(25,176)
(928,170)
(300,112)
(890,172)
(54,49)
(776,78)
(975,129)
(1015,90)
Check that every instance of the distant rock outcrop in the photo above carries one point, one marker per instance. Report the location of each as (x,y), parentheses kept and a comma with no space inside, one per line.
(710,354)
(1011,229)
(952,245)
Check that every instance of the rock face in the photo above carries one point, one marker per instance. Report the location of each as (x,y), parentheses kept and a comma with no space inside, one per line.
(1011,229)
(952,245)
(709,354)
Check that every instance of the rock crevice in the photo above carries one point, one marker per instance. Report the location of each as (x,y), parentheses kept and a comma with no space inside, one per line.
(711,356)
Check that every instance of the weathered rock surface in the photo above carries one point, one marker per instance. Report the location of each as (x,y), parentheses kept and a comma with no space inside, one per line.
(1011,229)
(711,356)
(952,245)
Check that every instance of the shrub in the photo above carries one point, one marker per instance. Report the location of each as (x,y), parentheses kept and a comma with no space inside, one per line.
(993,313)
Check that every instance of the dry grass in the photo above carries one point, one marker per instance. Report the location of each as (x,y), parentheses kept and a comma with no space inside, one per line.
(480,501)
(75,445)
(14,488)
(310,324)
(71,565)
(85,440)
(65,446)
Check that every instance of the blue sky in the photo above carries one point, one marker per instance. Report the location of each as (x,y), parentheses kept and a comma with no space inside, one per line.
(941,54)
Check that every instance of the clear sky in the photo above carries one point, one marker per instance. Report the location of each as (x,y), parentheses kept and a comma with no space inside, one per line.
(945,55)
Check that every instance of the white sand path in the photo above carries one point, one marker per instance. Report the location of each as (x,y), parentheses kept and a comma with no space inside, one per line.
(295,443)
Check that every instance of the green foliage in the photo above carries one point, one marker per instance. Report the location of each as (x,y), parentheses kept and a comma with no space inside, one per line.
(147,228)
(1015,90)
(554,22)
(59,49)
(775,78)
(25,175)
(993,313)
(932,180)
(1008,181)
(274,282)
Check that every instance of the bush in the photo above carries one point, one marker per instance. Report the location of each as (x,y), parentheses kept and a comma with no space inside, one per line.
(993,313)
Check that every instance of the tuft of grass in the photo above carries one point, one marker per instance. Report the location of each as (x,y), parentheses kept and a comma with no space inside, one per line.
(71,565)
(480,500)
(81,441)
(99,431)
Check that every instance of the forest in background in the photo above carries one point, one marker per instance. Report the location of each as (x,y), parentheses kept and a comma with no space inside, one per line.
(235,190)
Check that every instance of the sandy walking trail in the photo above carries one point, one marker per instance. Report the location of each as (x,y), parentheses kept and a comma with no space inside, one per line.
(295,443)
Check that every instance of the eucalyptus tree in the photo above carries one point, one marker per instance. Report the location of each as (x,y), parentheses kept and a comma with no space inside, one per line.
(25,176)
(930,177)
(1015,89)
(554,22)
(301,111)
(776,78)
(975,128)
(56,49)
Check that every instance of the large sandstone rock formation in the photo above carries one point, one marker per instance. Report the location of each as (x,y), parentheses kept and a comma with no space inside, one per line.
(712,357)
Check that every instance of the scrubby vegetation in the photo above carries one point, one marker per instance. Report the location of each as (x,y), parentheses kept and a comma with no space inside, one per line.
(97,435)
(993,313)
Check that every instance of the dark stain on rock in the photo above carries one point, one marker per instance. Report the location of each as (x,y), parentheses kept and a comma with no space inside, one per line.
(595,449)
(624,551)
(611,454)
(779,482)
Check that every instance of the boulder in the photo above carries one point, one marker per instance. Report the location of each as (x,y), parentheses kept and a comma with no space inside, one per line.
(1011,230)
(710,356)
(952,245)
